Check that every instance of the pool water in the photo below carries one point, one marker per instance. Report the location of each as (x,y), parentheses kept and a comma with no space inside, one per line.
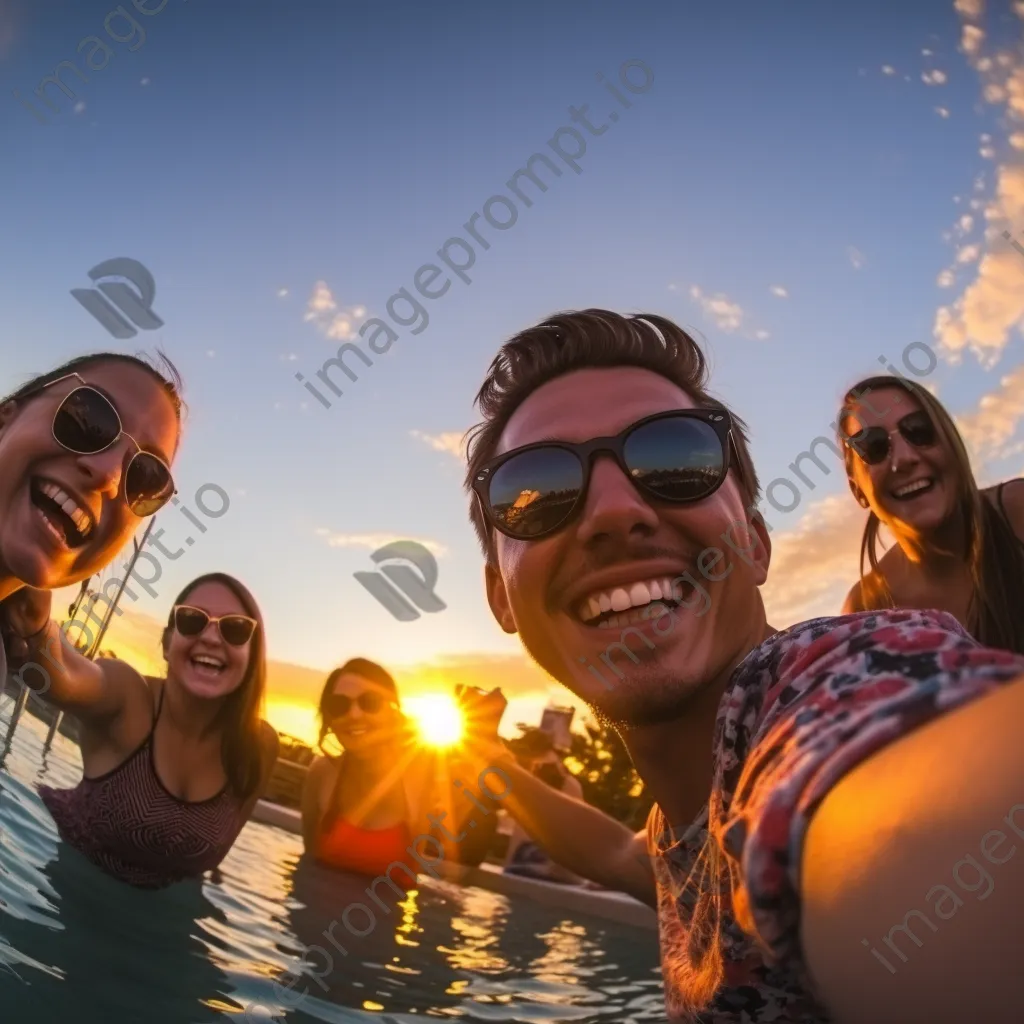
(248,945)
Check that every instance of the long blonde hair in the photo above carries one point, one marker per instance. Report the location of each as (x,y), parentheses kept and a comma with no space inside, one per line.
(994,554)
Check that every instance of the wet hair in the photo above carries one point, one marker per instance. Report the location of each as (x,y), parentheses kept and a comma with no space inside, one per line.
(365,669)
(165,374)
(588,339)
(240,719)
(994,556)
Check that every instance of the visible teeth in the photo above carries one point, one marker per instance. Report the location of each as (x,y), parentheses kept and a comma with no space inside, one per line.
(70,507)
(641,598)
(912,488)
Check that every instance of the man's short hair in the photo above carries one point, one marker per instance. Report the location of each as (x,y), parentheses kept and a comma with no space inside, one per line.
(581,340)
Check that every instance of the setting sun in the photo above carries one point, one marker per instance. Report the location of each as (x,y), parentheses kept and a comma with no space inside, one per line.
(438,718)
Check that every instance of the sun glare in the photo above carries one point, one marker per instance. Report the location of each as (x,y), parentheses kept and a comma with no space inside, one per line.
(438,718)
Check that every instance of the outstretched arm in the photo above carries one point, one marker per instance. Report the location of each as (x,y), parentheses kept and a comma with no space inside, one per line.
(895,852)
(579,837)
(48,663)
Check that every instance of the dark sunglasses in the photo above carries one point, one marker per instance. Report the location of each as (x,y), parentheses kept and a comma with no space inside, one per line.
(340,704)
(87,423)
(874,444)
(677,457)
(236,630)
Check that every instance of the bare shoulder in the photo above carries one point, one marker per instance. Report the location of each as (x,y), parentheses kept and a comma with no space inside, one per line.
(854,600)
(133,692)
(322,768)
(270,743)
(1013,503)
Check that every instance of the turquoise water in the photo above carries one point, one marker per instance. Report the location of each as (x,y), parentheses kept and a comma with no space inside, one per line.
(77,947)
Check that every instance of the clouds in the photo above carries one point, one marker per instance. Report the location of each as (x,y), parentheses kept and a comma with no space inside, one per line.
(982,319)
(726,314)
(334,322)
(778,291)
(720,309)
(856,257)
(373,541)
(994,423)
(450,442)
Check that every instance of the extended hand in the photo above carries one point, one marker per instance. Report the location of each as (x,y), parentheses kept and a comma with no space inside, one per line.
(482,714)
(24,614)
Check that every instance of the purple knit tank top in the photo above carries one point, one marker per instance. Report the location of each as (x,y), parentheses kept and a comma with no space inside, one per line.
(130,826)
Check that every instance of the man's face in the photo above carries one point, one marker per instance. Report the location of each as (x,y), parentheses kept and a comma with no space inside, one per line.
(654,657)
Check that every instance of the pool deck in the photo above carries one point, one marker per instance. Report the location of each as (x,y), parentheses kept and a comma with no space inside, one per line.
(613,906)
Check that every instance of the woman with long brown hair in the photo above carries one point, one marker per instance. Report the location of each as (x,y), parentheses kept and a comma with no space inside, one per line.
(85,455)
(172,767)
(376,789)
(958,548)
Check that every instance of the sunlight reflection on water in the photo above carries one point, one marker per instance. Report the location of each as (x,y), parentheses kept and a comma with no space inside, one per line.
(76,946)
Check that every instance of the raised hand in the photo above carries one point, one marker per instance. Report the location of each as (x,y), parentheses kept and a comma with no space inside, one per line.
(22,615)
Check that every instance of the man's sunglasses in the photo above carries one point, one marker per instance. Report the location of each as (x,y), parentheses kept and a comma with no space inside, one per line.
(677,457)
(87,423)
(236,630)
(874,444)
(340,704)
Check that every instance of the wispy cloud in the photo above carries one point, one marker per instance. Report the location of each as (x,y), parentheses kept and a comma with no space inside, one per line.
(336,322)
(450,442)
(997,418)
(991,305)
(719,308)
(856,257)
(779,292)
(935,77)
(372,541)
(942,112)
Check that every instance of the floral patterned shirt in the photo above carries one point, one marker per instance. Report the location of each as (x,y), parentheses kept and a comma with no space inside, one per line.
(800,712)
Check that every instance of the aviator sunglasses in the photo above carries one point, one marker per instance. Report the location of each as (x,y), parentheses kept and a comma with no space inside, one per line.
(874,444)
(340,704)
(86,423)
(235,630)
(677,457)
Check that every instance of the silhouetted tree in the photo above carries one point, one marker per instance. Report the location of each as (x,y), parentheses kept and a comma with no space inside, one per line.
(600,761)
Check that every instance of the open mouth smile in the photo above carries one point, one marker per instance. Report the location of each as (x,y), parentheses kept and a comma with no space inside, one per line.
(628,604)
(913,489)
(63,516)
(208,665)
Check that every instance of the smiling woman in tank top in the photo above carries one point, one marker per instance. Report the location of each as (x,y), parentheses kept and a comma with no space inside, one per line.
(172,767)
(959,548)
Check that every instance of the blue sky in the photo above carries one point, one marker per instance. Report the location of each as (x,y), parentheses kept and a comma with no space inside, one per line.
(807,185)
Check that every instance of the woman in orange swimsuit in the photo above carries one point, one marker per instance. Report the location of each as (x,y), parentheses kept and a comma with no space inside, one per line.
(365,804)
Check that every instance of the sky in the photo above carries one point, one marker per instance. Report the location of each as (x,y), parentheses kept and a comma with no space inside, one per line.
(807,187)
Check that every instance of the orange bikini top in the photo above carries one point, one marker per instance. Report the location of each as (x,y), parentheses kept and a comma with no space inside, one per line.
(365,851)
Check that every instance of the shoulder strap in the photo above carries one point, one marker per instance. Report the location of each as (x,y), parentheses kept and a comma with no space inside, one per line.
(1000,502)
